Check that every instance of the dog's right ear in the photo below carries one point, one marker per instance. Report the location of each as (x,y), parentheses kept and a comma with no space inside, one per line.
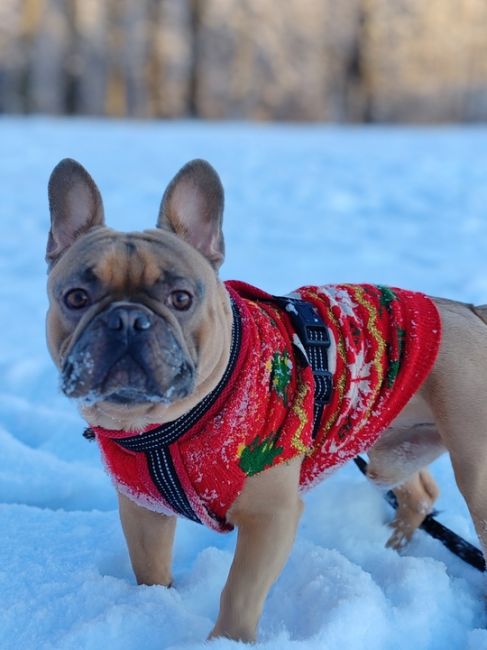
(75,205)
(192,207)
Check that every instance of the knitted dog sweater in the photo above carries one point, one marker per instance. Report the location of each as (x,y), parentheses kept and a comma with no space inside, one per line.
(384,342)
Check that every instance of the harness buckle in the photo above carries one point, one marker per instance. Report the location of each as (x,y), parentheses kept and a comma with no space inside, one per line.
(315,339)
(309,326)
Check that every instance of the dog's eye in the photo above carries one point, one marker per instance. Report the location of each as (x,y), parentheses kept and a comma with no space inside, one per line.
(181,300)
(76,299)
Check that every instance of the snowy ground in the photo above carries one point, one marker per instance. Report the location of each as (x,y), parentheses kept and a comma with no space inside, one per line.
(304,204)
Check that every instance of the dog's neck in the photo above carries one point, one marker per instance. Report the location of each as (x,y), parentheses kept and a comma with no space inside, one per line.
(126,417)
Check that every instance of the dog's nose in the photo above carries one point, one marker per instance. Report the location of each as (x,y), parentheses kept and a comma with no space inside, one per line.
(126,319)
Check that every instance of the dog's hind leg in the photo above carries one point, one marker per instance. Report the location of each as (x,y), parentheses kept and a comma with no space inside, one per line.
(456,391)
(415,499)
(397,462)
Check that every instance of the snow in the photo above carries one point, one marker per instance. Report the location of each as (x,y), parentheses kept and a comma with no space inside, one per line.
(304,204)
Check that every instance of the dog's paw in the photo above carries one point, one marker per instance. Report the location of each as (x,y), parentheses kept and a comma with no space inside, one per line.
(401,535)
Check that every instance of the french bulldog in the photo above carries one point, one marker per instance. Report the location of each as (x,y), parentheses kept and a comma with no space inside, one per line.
(169,366)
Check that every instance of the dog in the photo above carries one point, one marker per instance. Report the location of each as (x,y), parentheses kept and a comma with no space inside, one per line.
(203,395)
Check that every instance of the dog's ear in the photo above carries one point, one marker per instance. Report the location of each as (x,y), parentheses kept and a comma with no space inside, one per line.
(75,205)
(192,207)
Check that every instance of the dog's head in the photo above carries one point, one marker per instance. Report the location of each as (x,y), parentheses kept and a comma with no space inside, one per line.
(137,320)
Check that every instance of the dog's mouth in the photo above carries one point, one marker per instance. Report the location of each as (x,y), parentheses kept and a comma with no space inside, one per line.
(149,367)
(126,396)
(126,382)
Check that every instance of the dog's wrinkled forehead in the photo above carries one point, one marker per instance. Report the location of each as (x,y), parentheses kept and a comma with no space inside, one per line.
(124,263)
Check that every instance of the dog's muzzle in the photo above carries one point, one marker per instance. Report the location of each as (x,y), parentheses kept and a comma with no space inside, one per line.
(127,354)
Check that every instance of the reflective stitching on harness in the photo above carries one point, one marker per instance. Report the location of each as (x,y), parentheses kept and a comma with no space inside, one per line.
(163,474)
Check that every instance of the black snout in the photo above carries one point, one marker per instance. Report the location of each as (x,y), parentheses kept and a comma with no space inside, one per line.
(128,319)
(128,354)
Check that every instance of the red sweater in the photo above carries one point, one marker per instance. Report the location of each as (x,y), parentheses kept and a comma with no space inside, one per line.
(383,344)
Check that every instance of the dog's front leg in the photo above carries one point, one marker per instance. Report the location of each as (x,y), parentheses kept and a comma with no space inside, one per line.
(150,538)
(266,514)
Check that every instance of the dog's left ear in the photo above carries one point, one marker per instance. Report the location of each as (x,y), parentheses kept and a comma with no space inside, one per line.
(192,207)
(75,204)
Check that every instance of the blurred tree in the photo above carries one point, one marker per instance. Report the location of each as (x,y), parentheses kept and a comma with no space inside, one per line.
(91,55)
(426,61)
(379,60)
(259,61)
(10,56)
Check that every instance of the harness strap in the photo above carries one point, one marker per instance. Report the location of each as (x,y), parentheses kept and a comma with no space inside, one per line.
(314,341)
